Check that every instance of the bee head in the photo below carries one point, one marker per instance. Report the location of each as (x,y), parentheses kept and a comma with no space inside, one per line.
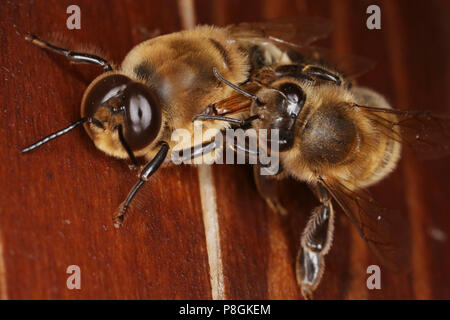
(127,114)
(279,108)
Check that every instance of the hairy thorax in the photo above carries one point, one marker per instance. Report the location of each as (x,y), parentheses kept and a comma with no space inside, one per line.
(180,68)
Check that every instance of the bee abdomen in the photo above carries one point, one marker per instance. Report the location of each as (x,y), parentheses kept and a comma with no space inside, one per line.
(382,162)
(382,153)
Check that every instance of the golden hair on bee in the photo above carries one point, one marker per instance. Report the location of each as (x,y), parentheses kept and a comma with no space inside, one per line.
(132,110)
(338,138)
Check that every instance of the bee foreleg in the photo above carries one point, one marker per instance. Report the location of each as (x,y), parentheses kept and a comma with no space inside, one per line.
(315,243)
(134,163)
(76,57)
(241,123)
(183,155)
(145,174)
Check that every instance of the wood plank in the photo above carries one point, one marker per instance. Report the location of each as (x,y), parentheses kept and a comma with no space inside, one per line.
(57,202)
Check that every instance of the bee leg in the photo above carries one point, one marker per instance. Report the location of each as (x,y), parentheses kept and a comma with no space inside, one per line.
(194,152)
(76,57)
(207,147)
(321,73)
(134,163)
(315,243)
(267,189)
(307,72)
(145,174)
(291,70)
(240,123)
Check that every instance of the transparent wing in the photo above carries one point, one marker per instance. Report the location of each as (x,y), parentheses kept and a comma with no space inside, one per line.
(299,32)
(351,66)
(296,37)
(427,133)
(384,231)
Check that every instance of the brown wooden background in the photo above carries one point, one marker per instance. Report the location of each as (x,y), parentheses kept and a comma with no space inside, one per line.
(57,202)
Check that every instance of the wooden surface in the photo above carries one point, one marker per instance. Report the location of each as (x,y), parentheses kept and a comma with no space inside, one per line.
(57,202)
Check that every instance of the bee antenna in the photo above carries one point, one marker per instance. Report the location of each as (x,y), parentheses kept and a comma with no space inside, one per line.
(60,133)
(235,87)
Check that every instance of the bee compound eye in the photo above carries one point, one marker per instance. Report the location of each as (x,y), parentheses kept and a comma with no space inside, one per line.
(293,93)
(295,100)
(139,104)
(142,116)
(102,90)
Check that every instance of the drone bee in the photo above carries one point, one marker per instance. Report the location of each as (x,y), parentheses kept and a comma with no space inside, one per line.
(164,83)
(339,138)
(131,111)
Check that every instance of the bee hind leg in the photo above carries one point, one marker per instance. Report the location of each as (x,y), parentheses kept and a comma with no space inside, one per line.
(315,243)
(76,57)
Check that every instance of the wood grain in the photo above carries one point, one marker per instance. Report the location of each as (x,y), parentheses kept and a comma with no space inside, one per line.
(57,202)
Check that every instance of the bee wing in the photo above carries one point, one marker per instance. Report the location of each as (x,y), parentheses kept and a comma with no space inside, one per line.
(351,66)
(383,230)
(296,37)
(299,32)
(427,133)
(231,105)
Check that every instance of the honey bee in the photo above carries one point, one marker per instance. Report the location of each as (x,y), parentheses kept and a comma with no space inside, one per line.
(130,111)
(339,138)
